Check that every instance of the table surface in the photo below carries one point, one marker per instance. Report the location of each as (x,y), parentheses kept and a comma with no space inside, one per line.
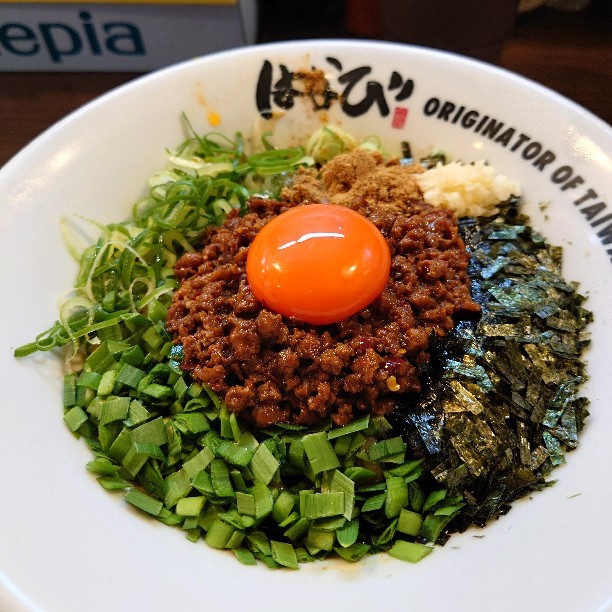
(570,53)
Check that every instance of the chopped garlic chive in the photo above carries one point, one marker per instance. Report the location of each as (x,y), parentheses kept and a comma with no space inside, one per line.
(151,432)
(353,553)
(433,498)
(329,524)
(220,477)
(264,464)
(144,502)
(409,551)
(409,522)
(133,461)
(107,382)
(347,534)
(137,414)
(177,485)
(112,483)
(297,455)
(320,452)
(407,469)
(70,390)
(298,530)
(114,409)
(199,462)
(129,375)
(120,445)
(102,466)
(283,506)
(259,542)
(318,505)
(245,502)
(376,502)
(263,500)
(397,496)
(149,450)
(75,418)
(233,453)
(359,474)
(203,483)
(318,540)
(219,534)
(91,380)
(245,556)
(384,449)
(191,422)
(386,536)
(190,506)
(344,484)
(433,526)
(284,554)
(356,425)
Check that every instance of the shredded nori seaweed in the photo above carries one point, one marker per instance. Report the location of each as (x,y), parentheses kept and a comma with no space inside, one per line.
(502,404)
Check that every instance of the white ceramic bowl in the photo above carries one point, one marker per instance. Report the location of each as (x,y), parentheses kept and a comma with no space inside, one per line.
(65,544)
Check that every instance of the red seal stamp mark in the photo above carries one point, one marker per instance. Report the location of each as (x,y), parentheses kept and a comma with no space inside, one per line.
(400,114)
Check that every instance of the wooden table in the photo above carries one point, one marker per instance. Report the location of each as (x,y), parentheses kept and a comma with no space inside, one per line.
(568,52)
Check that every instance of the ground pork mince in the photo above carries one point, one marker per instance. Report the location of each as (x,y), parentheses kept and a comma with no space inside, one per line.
(271,369)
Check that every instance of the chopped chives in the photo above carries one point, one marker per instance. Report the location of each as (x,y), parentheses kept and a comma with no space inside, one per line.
(133,461)
(409,551)
(90,380)
(245,556)
(129,375)
(190,506)
(137,414)
(345,485)
(151,432)
(120,445)
(409,522)
(263,500)
(149,450)
(75,418)
(397,496)
(376,502)
(354,426)
(392,448)
(176,486)
(245,502)
(298,530)
(264,464)
(283,506)
(320,452)
(220,478)
(112,483)
(318,505)
(347,534)
(199,462)
(107,382)
(219,534)
(353,553)
(144,502)
(114,409)
(284,554)
(233,453)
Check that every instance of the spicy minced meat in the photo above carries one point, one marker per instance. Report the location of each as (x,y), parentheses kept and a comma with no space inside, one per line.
(272,369)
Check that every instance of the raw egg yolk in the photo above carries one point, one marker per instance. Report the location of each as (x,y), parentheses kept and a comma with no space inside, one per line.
(319,263)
